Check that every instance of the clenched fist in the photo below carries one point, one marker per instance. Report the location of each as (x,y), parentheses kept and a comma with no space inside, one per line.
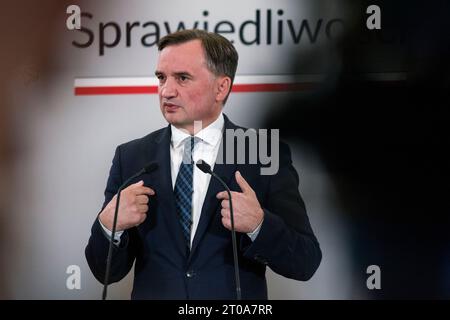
(132,210)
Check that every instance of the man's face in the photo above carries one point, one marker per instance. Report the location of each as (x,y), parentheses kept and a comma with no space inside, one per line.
(187,90)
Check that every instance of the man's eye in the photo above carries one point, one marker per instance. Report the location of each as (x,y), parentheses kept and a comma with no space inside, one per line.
(160,77)
(183,78)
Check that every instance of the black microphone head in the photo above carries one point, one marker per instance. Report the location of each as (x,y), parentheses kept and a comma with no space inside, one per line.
(202,165)
(149,167)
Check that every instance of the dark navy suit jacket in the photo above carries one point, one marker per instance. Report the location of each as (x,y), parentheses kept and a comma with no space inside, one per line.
(163,267)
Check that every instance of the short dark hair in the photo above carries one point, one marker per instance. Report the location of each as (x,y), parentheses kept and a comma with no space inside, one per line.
(221,56)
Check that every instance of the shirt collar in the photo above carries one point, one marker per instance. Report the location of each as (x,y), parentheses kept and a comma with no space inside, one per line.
(211,134)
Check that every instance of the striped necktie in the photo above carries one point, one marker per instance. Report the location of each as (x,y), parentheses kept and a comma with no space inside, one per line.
(184,189)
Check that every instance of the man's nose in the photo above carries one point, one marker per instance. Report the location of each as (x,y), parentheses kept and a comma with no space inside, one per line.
(168,89)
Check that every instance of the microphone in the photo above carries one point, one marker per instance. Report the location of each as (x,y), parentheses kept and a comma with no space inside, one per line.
(206,168)
(149,167)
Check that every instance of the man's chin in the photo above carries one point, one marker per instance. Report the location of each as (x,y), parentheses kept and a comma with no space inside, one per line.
(177,121)
(172,117)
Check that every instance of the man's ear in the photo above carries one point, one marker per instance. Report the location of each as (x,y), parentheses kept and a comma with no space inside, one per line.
(223,87)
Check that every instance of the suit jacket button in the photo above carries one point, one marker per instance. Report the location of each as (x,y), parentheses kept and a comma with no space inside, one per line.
(190,274)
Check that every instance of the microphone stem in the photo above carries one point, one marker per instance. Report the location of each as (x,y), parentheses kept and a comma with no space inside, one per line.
(233,240)
(110,250)
(113,233)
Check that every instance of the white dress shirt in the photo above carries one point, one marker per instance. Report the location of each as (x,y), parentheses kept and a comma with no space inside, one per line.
(205,149)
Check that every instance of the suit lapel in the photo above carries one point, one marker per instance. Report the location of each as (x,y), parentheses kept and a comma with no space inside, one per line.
(163,187)
(226,172)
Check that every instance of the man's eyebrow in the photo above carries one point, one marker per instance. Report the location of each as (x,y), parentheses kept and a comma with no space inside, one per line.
(177,74)
(182,73)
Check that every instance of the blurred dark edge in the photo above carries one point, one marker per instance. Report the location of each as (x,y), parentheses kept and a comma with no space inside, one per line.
(385,144)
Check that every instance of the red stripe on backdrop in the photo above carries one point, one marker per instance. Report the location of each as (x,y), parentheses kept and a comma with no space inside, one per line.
(256,87)
(80,91)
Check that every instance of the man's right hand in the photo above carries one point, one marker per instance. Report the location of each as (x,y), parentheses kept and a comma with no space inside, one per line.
(133,207)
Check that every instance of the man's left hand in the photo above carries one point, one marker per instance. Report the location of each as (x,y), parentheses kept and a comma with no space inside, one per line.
(248,213)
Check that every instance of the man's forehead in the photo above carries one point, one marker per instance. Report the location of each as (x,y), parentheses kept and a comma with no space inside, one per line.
(184,48)
(181,57)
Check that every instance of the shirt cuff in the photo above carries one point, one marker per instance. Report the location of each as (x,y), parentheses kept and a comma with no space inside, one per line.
(255,232)
(108,234)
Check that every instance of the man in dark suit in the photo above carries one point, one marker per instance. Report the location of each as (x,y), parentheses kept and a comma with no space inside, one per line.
(175,221)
